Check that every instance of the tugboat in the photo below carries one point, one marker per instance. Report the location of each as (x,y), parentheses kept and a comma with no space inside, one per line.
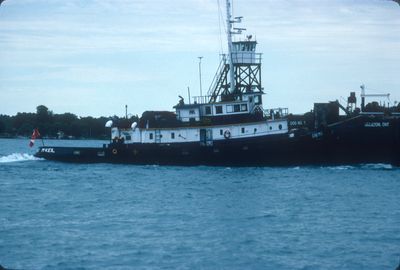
(230,127)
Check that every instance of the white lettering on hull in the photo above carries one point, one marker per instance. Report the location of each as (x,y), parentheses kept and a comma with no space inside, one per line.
(377,124)
(48,150)
(297,123)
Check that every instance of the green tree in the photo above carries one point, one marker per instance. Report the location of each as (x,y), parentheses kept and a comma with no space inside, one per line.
(23,124)
(44,120)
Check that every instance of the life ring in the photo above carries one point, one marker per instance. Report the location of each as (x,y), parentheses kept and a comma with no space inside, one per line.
(227,134)
(115,151)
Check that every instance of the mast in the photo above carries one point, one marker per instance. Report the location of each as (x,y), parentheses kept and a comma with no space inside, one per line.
(240,71)
(229,26)
(201,90)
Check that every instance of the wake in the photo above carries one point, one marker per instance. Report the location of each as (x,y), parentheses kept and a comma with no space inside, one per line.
(17,157)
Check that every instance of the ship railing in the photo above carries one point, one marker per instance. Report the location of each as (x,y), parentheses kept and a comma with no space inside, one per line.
(381,113)
(274,113)
(201,99)
(246,58)
(372,113)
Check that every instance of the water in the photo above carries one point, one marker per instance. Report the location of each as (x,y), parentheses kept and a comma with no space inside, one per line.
(71,216)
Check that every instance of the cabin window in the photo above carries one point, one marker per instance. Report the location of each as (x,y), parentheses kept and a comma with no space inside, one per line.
(243,107)
(208,109)
(150,136)
(192,112)
(257,99)
(280,126)
(218,109)
(128,137)
(255,130)
(192,119)
(229,108)
(172,135)
(221,132)
(270,128)
(236,108)
(243,130)
(250,99)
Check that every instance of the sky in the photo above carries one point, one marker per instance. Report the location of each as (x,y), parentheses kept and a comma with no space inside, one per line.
(93,57)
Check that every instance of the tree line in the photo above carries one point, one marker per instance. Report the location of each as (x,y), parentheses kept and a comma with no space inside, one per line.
(66,125)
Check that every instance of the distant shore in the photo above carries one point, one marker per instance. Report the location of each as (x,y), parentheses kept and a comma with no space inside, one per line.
(2,136)
(66,126)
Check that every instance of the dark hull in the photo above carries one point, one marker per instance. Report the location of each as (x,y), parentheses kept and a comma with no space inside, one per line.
(357,140)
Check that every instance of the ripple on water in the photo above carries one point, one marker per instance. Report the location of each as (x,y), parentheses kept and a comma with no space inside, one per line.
(67,216)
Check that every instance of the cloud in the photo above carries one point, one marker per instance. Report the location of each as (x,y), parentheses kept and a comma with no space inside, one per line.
(79,74)
(187,25)
(84,42)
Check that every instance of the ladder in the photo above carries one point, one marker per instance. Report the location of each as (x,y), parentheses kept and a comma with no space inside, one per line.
(218,81)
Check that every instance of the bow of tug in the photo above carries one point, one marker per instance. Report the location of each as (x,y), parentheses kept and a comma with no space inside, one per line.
(73,154)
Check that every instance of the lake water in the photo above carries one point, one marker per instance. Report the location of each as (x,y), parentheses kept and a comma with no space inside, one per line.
(102,216)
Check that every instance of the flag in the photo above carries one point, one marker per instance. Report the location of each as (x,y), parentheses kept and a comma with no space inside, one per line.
(35,135)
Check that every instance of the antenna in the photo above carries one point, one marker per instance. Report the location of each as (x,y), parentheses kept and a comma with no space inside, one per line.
(229,26)
(201,90)
(189,94)
(231,30)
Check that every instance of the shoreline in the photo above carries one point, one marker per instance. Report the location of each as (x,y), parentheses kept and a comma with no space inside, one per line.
(54,139)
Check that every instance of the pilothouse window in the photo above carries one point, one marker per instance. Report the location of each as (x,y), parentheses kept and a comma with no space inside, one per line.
(192,112)
(150,136)
(257,99)
(208,110)
(218,109)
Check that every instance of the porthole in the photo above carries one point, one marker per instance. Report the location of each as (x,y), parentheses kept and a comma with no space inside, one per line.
(280,127)
(270,127)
